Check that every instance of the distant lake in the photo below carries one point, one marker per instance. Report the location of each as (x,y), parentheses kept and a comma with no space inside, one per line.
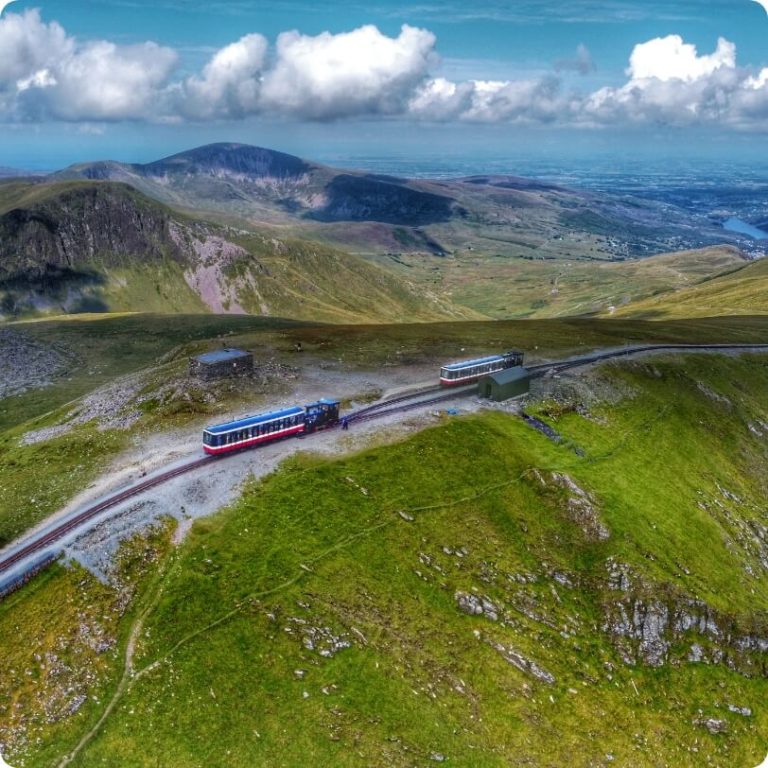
(737,225)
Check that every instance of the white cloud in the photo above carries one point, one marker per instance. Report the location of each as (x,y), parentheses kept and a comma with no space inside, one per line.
(582,62)
(440,99)
(103,81)
(670,58)
(45,74)
(671,83)
(517,101)
(231,81)
(27,45)
(362,72)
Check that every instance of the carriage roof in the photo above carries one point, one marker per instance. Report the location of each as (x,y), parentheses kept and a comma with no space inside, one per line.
(250,421)
(470,363)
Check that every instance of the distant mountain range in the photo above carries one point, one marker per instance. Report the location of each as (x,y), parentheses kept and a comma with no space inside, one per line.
(236,228)
(371,213)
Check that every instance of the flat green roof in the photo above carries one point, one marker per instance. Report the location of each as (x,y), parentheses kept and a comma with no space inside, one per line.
(508,375)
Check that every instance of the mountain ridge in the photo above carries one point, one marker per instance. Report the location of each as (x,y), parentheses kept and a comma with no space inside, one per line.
(501,213)
(101,246)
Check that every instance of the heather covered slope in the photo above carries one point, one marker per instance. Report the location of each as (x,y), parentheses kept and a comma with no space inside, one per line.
(512,602)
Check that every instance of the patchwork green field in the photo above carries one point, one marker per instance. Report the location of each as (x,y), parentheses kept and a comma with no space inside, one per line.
(476,594)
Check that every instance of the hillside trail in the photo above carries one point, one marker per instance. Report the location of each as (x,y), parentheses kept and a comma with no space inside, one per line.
(128,668)
(130,675)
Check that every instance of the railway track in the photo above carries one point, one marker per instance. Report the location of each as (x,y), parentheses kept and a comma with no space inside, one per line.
(363,413)
(542,368)
(49,537)
(400,404)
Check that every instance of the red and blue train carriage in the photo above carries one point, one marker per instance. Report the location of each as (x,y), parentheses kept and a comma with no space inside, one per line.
(273,425)
(467,371)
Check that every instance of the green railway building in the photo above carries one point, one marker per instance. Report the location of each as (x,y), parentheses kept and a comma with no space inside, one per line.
(506,384)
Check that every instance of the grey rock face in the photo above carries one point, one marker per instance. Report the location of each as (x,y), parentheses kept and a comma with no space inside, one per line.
(62,235)
(651,623)
(645,630)
(582,508)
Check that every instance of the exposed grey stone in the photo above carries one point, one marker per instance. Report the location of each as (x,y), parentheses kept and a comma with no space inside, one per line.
(696,653)
(473,605)
(651,622)
(582,508)
(524,665)
(713,725)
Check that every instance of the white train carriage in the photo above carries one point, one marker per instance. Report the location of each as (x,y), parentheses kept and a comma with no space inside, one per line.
(467,371)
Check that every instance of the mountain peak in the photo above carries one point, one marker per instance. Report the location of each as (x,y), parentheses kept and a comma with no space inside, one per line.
(222,158)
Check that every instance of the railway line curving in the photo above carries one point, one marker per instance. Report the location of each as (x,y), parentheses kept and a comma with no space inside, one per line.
(400,404)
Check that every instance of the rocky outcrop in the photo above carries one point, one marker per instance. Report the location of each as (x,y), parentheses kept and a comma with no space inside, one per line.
(68,231)
(29,363)
(516,659)
(653,630)
(473,605)
(580,506)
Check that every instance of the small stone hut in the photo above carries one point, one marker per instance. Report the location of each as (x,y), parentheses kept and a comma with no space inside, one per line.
(223,362)
(506,384)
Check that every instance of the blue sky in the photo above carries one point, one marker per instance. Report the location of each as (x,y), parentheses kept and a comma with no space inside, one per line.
(134,80)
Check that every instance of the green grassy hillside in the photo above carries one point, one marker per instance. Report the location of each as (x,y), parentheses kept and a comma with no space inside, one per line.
(538,286)
(742,291)
(476,594)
